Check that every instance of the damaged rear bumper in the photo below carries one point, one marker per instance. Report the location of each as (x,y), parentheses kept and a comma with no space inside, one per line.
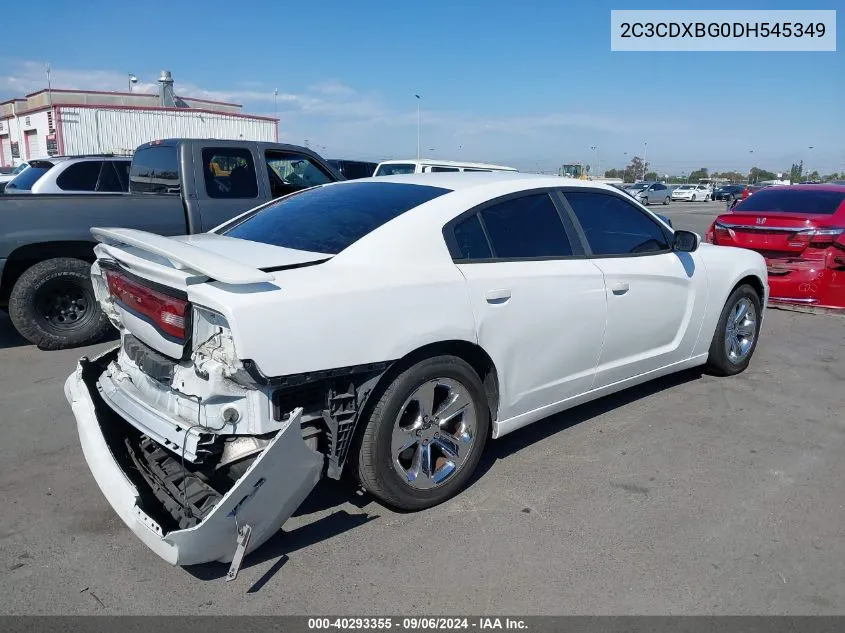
(267,494)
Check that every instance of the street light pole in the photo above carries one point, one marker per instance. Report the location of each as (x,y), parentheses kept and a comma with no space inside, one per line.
(418,125)
(810,161)
(645,153)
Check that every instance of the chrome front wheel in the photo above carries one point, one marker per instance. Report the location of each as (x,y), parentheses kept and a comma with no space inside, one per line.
(740,331)
(433,433)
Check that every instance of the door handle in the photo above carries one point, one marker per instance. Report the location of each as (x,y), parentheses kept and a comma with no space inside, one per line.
(621,288)
(501,295)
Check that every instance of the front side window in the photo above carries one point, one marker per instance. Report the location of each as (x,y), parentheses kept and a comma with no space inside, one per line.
(155,170)
(229,173)
(113,176)
(331,218)
(292,172)
(80,176)
(529,226)
(613,227)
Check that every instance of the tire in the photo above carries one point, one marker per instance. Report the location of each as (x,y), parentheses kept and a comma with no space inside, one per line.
(52,304)
(694,198)
(376,466)
(667,200)
(719,360)
(707,198)
(645,201)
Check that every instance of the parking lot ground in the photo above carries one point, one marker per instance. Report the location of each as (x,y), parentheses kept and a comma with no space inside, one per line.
(690,495)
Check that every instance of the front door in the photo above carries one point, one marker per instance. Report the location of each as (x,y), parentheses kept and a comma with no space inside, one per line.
(652,291)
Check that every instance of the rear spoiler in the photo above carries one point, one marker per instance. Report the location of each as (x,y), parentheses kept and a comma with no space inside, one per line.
(183,256)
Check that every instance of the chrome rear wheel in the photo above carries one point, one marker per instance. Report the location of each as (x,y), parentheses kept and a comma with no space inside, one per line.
(433,433)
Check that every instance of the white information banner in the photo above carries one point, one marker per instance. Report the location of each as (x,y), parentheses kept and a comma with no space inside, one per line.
(728,30)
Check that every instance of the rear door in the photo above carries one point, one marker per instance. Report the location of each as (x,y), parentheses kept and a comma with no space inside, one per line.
(539,305)
(655,296)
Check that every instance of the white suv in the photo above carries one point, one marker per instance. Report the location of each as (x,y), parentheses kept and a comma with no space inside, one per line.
(73,174)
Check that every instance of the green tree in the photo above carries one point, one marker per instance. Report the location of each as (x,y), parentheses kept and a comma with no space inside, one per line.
(652,175)
(698,174)
(614,173)
(636,169)
(814,176)
(796,172)
(733,176)
(756,175)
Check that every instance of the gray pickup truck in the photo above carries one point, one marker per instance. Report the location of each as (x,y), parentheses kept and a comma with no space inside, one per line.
(176,187)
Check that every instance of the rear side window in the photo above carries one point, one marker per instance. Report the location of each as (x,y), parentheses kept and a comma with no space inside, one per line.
(229,173)
(777,200)
(155,170)
(614,227)
(330,218)
(80,176)
(28,177)
(471,241)
(439,169)
(528,226)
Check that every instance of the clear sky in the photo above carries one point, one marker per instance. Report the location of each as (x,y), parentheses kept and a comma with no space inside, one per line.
(531,83)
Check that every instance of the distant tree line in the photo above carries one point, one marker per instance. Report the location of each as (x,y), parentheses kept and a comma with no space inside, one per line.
(638,169)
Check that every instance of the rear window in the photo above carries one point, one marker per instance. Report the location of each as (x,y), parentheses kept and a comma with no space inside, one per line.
(155,170)
(777,200)
(330,218)
(28,177)
(396,169)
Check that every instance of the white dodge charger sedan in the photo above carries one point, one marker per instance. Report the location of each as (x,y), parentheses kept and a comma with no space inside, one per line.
(389,325)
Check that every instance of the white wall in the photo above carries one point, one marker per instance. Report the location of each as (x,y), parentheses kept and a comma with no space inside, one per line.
(15,130)
(90,130)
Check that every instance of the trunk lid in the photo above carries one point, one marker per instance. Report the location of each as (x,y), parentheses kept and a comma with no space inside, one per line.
(144,281)
(774,235)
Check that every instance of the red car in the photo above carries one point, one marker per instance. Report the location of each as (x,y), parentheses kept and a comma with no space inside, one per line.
(800,230)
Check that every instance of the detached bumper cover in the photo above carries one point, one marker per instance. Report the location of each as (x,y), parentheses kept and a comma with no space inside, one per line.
(264,497)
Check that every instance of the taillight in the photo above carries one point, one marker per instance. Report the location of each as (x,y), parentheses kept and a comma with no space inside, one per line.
(167,313)
(816,238)
(718,231)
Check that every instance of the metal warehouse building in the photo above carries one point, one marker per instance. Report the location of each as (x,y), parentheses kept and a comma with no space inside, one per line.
(71,122)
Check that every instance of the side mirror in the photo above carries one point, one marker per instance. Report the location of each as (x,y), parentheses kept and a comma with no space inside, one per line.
(685,241)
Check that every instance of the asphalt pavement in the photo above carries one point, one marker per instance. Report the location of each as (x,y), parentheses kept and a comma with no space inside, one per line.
(689,495)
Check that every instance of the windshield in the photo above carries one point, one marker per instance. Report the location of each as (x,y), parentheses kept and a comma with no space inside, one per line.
(685,187)
(638,186)
(777,200)
(27,178)
(328,219)
(395,169)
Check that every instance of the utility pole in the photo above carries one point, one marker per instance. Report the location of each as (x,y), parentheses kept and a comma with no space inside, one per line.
(418,125)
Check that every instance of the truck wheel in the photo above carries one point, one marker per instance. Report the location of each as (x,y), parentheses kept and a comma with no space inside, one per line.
(425,434)
(53,305)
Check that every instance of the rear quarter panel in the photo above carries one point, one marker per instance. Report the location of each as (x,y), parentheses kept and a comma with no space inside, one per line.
(330,316)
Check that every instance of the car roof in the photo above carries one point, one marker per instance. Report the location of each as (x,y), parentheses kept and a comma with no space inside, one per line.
(463,180)
(449,163)
(820,187)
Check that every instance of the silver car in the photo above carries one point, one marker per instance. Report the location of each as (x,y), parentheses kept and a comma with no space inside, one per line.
(648,192)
